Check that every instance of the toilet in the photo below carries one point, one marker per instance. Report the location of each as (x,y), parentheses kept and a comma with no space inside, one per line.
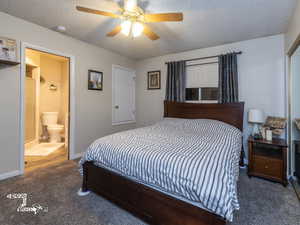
(50,120)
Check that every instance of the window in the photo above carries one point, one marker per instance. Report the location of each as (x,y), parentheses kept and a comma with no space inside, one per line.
(192,94)
(209,94)
(202,82)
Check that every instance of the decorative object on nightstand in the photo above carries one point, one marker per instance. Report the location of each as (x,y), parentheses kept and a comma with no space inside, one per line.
(267,159)
(256,116)
(297,122)
(269,135)
(276,124)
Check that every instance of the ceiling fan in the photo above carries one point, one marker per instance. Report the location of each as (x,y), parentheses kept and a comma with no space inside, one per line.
(134,19)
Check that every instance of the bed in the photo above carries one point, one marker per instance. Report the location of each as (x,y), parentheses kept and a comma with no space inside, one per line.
(180,171)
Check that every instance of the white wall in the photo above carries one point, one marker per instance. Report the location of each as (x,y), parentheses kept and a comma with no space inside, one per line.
(261,78)
(293,29)
(93,108)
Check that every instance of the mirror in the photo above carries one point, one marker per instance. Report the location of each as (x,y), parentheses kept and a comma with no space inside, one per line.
(294,117)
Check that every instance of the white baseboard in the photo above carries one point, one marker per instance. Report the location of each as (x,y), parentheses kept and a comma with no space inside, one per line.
(6,175)
(76,156)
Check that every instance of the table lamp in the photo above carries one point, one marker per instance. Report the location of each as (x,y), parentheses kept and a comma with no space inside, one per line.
(256,117)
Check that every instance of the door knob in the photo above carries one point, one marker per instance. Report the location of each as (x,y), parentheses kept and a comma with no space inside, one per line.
(116,107)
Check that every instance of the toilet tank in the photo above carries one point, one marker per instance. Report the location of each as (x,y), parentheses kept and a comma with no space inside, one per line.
(49,118)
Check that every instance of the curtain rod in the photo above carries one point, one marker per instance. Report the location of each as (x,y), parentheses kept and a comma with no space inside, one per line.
(208,57)
(201,64)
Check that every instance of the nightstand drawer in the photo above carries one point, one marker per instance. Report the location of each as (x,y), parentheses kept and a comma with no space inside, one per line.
(268,167)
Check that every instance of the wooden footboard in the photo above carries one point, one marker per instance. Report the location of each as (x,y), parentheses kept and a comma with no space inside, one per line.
(148,204)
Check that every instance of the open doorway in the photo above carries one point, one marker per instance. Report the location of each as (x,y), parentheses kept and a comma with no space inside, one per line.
(46,114)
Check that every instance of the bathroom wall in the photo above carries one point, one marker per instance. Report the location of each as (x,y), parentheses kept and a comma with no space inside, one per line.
(50,100)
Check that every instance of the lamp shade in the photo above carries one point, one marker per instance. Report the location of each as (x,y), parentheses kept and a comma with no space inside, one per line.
(256,116)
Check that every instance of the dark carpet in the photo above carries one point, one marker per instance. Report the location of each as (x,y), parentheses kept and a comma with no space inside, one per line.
(262,202)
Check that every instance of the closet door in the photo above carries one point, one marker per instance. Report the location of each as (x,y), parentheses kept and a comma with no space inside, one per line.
(123,87)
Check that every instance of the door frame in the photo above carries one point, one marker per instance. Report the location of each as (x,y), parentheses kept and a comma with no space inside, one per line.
(113,94)
(72,99)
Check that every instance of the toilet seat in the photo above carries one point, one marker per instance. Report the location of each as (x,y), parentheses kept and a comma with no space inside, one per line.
(55,126)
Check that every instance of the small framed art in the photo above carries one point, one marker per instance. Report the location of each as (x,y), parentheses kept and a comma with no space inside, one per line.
(95,80)
(153,80)
(8,49)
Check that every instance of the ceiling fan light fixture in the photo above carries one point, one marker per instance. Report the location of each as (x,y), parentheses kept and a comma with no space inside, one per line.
(130,5)
(126,27)
(134,19)
(137,29)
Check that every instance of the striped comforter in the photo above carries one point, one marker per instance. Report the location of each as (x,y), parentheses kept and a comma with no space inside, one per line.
(196,160)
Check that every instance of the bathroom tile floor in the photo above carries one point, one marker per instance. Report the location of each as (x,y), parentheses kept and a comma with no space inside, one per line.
(43,149)
(37,162)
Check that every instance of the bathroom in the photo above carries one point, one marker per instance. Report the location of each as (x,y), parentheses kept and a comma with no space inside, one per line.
(46,103)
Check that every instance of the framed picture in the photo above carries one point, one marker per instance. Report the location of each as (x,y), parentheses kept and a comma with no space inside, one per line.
(8,49)
(153,80)
(95,80)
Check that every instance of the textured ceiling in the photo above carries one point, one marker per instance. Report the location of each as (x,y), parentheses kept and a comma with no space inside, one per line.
(206,22)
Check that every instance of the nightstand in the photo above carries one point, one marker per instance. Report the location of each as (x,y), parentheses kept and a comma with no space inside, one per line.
(267,159)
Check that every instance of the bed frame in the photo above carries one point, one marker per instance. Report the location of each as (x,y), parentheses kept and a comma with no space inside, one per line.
(151,205)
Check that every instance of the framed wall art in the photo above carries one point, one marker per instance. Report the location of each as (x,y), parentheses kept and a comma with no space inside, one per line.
(8,49)
(153,80)
(95,80)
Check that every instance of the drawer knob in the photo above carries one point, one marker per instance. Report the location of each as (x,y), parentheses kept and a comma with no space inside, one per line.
(266,167)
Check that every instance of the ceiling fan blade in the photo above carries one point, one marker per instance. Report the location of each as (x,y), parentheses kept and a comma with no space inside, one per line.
(150,34)
(161,17)
(98,12)
(120,8)
(118,5)
(115,31)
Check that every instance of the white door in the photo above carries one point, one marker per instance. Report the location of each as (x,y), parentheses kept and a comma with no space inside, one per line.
(123,108)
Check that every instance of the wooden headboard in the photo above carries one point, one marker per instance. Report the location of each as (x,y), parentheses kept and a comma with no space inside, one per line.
(231,113)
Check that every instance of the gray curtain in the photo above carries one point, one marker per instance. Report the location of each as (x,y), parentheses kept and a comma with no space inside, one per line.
(175,88)
(228,78)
